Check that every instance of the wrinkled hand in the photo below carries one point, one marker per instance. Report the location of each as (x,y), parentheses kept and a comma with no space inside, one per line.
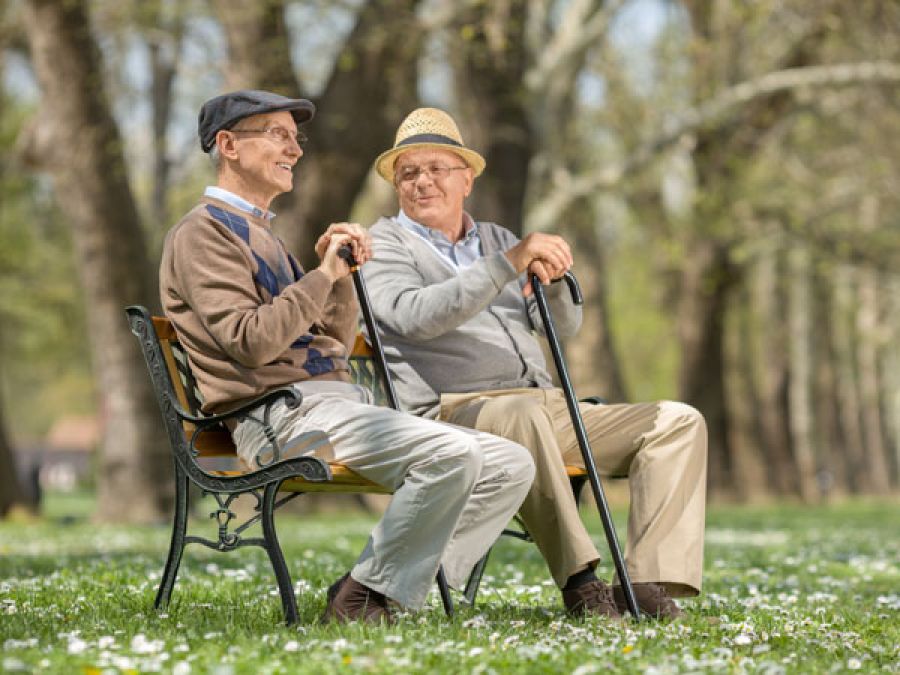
(546,255)
(357,236)
(338,234)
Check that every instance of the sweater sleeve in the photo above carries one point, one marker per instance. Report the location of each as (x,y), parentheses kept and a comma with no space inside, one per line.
(405,304)
(566,314)
(215,277)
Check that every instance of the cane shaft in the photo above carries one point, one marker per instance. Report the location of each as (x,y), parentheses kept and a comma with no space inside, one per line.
(381,362)
(583,442)
(371,328)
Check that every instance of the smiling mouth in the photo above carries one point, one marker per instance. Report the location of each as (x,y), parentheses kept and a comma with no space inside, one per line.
(284,165)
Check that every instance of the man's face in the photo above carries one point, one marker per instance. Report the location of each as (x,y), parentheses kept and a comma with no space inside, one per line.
(432,186)
(267,151)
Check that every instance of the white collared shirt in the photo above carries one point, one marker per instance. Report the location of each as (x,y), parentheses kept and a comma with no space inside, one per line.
(236,201)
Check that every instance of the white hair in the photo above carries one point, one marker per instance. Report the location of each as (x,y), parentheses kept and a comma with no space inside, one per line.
(215,157)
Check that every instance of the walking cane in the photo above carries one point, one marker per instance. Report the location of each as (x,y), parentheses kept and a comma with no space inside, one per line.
(363,295)
(580,433)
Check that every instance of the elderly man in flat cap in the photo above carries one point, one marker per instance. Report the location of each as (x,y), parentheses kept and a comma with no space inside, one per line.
(459,316)
(252,320)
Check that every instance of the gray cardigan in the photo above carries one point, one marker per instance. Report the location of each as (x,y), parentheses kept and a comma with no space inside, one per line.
(448,330)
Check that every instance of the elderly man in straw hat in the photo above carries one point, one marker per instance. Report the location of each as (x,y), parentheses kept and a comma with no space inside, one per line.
(458,318)
(251,321)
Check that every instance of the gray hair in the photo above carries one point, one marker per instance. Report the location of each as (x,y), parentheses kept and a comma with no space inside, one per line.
(215,158)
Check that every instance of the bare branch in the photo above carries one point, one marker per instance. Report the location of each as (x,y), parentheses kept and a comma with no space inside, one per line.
(584,22)
(570,188)
(444,14)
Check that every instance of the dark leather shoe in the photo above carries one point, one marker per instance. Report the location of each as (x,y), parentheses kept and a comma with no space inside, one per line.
(652,599)
(349,600)
(593,598)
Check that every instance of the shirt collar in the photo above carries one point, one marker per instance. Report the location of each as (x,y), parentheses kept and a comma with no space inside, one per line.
(430,234)
(236,201)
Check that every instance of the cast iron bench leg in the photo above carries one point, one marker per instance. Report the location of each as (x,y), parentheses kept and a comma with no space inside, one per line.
(176,547)
(273,548)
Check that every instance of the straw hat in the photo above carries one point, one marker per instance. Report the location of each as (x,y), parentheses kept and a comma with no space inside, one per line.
(427,128)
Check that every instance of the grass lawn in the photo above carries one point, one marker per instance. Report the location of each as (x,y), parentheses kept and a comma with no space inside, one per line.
(788,589)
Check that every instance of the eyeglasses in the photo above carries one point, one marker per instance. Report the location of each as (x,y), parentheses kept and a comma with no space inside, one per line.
(410,174)
(280,134)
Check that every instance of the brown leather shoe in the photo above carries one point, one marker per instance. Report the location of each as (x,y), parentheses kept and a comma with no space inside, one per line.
(593,598)
(652,599)
(349,600)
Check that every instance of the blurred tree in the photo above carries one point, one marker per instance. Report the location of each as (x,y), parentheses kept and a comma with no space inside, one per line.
(372,85)
(721,169)
(163,25)
(11,492)
(77,141)
(516,68)
(491,57)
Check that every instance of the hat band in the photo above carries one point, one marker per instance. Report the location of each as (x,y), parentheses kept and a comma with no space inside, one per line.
(429,138)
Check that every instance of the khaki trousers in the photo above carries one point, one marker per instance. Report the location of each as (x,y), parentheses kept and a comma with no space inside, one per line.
(455,489)
(661,447)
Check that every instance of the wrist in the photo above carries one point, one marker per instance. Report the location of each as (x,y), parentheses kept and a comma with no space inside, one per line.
(329,273)
(516,261)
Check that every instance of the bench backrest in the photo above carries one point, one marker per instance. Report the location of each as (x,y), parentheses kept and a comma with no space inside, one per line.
(174,382)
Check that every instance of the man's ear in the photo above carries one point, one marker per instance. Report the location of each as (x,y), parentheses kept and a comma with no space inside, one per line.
(225,141)
(470,181)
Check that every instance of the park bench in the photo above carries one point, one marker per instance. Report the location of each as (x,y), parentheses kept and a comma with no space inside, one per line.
(204,455)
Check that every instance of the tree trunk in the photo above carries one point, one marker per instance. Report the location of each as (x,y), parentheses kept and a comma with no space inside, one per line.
(801,369)
(489,83)
(868,344)
(770,353)
(875,462)
(371,88)
(83,151)
(11,492)
(594,363)
(890,360)
(593,350)
(742,401)
(834,482)
(165,49)
(706,280)
(850,406)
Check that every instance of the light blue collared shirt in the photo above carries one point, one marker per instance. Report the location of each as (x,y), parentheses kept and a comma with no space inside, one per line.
(236,201)
(461,254)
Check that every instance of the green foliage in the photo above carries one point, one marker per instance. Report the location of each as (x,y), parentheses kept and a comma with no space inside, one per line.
(43,355)
(642,322)
(787,589)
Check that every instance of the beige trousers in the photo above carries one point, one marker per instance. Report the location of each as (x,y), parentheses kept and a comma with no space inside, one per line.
(455,489)
(661,447)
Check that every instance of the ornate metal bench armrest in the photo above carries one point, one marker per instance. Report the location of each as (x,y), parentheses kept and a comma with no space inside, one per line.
(310,468)
(292,396)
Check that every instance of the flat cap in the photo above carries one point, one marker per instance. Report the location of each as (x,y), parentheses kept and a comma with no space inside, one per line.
(223,112)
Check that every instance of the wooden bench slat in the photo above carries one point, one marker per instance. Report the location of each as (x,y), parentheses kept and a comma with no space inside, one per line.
(573,471)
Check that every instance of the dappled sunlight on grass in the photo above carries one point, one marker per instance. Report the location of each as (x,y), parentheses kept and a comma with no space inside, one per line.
(788,589)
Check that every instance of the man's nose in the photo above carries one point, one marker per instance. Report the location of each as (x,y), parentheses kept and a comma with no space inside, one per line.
(424,175)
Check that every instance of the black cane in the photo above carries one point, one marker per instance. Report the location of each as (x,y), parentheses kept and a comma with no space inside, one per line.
(580,433)
(346,253)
